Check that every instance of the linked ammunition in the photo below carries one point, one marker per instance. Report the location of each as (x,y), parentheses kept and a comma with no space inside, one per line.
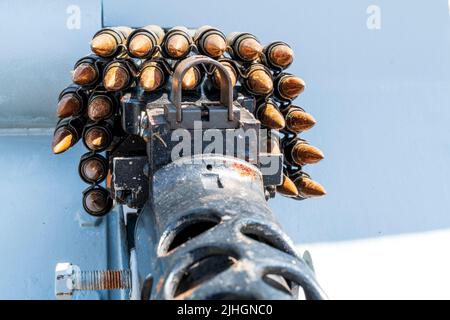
(143,41)
(210,41)
(288,87)
(87,71)
(299,152)
(258,80)
(287,187)
(101,106)
(98,137)
(93,168)
(97,201)
(278,55)
(232,70)
(244,46)
(308,188)
(67,133)
(267,112)
(109,42)
(297,120)
(153,74)
(71,102)
(177,43)
(119,75)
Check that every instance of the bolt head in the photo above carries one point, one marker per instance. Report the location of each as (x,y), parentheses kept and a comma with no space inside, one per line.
(64,281)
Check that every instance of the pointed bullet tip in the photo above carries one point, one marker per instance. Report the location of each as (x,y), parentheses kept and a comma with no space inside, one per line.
(150,79)
(309,188)
(177,46)
(116,78)
(297,120)
(62,140)
(84,74)
(281,55)
(250,49)
(215,45)
(287,188)
(303,153)
(272,118)
(103,45)
(140,46)
(260,82)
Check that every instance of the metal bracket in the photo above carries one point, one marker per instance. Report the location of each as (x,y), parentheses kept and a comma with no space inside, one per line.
(226,88)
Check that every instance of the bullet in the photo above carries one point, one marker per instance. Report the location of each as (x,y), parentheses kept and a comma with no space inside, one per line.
(244,46)
(93,168)
(109,42)
(287,187)
(98,137)
(300,153)
(231,70)
(101,106)
(177,43)
(71,102)
(210,41)
(308,188)
(288,86)
(297,120)
(153,75)
(278,55)
(97,201)
(67,133)
(258,80)
(192,78)
(87,71)
(119,75)
(269,116)
(142,41)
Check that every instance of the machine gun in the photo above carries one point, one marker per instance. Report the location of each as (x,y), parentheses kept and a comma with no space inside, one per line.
(199,169)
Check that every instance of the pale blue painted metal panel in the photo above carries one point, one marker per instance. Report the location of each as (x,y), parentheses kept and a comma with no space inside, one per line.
(40,44)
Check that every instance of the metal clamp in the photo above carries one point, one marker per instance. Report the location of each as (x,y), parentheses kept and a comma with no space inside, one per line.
(226,88)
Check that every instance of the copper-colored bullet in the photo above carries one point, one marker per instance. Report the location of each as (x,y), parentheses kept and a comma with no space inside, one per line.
(287,187)
(210,41)
(63,139)
(107,42)
(71,102)
(67,133)
(142,41)
(244,46)
(93,168)
(119,75)
(68,105)
(96,201)
(302,153)
(308,188)
(270,117)
(278,55)
(259,80)
(297,120)
(84,74)
(116,78)
(97,138)
(152,76)
(177,43)
(192,78)
(231,70)
(288,86)
(100,107)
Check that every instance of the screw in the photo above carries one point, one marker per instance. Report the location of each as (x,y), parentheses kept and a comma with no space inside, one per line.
(69,277)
